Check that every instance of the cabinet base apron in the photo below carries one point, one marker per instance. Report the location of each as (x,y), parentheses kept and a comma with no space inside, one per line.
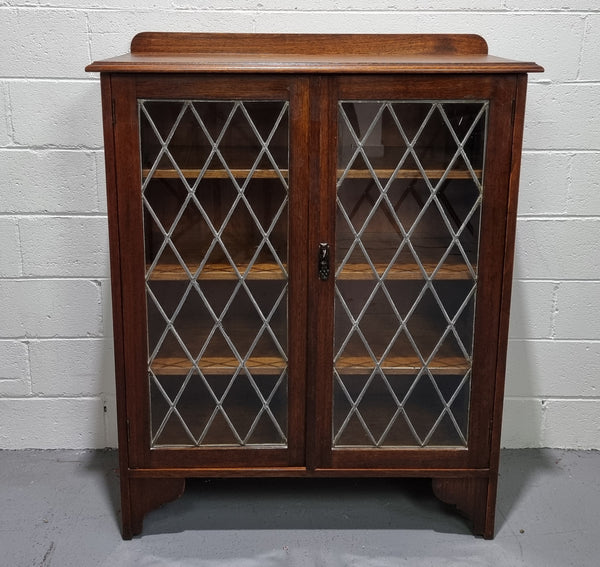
(471,491)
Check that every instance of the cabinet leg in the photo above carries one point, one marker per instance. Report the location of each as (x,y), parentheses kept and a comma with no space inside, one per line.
(143,496)
(473,497)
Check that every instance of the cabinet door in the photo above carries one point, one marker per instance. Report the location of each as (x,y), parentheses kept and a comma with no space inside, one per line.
(421,189)
(209,202)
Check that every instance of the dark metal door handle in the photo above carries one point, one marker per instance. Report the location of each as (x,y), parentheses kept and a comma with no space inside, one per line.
(323,261)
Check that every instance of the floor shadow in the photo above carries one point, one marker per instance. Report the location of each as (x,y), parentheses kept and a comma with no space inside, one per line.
(306,504)
(105,463)
(517,468)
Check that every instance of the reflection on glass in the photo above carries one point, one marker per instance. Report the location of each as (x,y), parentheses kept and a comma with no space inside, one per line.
(215,198)
(409,189)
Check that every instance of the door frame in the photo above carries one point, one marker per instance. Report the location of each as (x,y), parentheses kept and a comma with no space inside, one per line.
(491,294)
(128,265)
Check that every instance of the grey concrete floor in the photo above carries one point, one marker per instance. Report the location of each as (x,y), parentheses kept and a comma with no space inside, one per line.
(61,508)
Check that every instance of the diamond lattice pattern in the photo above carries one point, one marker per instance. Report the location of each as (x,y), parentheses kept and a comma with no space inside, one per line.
(215,198)
(409,195)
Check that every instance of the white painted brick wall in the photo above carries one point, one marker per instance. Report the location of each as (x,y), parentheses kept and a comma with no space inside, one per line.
(14,371)
(56,370)
(558,248)
(49,114)
(558,122)
(590,54)
(64,246)
(583,190)
(5,122)
(11,265)
(56,307)
(50,181)
(71,367)
(44,43)
(45,423)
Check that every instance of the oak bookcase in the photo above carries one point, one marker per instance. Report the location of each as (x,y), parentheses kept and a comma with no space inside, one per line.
(311,256)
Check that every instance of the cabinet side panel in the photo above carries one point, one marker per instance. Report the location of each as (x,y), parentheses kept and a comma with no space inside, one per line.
(511,221)
(488,346)
(132,263)
(116,290)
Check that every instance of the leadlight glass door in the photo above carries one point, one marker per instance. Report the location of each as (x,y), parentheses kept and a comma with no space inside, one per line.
(410,190)
(217,183)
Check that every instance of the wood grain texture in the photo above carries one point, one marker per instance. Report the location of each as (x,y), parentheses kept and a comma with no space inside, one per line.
(322,197)
(131,266)
(470,496)
(272,365)
(309,44)
(218,272)
(156,52)
(302,472)
(318,64)
(491,252)
(351,271)
(189,173)
(518,120)
(147,494)
(117,300)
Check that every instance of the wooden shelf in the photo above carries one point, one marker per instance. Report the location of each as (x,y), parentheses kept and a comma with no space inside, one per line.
(382,173)
(219,365)
(259,271)
(270,365)
(271,271)
(215,173)
(402,365)
(405,271)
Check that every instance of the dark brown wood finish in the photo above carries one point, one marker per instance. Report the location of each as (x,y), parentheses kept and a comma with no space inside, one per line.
(132,266)
(155,52)
(309,44)
(117,301)
(511,221)
(147,494)
(500,92)
(302,472)
(470,496)
(313,72)
(322,230)
(321,64)
(133,270)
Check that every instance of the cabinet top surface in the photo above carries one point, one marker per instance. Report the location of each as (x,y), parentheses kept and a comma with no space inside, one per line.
(166,52)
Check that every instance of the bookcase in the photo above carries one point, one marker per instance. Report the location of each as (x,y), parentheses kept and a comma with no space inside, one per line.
(311,258)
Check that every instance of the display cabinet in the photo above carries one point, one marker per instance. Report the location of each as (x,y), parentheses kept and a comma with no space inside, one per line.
(311,256)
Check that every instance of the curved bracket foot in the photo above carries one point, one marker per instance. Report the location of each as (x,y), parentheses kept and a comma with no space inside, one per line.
(145,495)
(471,498)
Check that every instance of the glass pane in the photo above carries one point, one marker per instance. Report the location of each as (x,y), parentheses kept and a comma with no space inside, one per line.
(409,192)
(215,198)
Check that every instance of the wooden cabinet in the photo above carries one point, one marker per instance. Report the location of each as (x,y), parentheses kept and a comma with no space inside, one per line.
(311,257)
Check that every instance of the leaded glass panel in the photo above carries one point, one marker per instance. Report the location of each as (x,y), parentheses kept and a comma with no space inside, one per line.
(215,204)
(409,193)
